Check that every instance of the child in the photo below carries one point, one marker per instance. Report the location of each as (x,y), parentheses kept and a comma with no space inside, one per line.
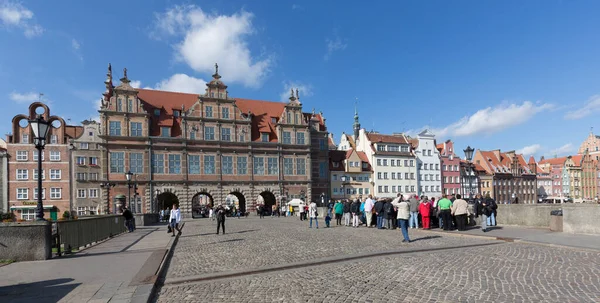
(327,220)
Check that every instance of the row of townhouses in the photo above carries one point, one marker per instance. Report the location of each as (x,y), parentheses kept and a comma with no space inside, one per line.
(198,150)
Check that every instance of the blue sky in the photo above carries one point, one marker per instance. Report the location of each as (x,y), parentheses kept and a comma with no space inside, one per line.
(506,74)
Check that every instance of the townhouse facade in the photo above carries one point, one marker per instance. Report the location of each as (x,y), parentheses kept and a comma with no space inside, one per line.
(589,177)
(86,171)
(351,174)
(3,177)
(428,164)
(544,180)
(486,181)
(555,167)
(573,173)
(393,162)
(210,145)
(22,165)
(591,144)
(450,168)
(513,180)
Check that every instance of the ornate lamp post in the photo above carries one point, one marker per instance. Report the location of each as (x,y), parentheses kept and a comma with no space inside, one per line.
(107,185)
(157,200)
(469,156)
(40,129)
(128,176)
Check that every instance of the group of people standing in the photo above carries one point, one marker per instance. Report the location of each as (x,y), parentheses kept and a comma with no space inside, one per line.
(450,212)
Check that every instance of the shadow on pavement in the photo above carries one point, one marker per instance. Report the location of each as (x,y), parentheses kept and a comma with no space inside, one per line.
(42,291)
(230,233)
(424,238)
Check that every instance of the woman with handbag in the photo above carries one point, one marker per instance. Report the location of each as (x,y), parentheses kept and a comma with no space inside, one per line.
(313,214)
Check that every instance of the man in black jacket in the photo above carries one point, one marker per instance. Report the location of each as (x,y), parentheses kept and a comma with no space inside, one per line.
(379,212)
(128,219)
(484,209)
(347,213)
(220,212)
(355,210)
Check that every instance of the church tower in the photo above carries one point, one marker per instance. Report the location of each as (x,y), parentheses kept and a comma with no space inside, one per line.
(356,124)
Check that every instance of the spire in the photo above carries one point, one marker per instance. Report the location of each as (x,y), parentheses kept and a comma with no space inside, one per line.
(297,96)
(356,125)
(292,97)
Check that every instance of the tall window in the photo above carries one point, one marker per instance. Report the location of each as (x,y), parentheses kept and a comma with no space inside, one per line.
(81,193)
(209,133)
(158,163)
(322,144)
(225,134)
(209,111)
(227,165)
(80,160)
(129,105)
(136,163)
(300,138)
(225,113)
(174,164)
(209,165)
(264,137)
(25,138)
(114,128)
(194,164)
(289,118)
(93,193)
(272,167)
(93,160)
(242,165)
(259,165)
(117,162)
(119,105)
(300,166)
(287,138)
(288,166)
(193,135)
(136,129)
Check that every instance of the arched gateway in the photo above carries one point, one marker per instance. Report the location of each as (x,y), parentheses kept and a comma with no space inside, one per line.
(166,200)
(200,204)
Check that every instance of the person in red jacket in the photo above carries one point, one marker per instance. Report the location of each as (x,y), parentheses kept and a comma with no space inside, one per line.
(425,211)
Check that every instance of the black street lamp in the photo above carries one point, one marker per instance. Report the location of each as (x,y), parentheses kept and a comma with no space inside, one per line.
(157,200)
(128,176)
(344,186)
(40,129)
(107,185)
(322,199)
(469,156)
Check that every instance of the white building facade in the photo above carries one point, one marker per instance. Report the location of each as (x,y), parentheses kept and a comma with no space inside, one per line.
(428,165)
(393,163)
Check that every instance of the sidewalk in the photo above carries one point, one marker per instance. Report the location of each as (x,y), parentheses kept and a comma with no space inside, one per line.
(121,269)
(535,235)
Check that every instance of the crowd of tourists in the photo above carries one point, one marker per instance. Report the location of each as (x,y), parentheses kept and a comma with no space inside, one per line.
(450,212)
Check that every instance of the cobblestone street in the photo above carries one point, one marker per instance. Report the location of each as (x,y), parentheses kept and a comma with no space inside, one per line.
(342,264)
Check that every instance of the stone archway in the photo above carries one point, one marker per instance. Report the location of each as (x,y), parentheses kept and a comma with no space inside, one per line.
(201,202)
(239,201)
(166,200)
(267,199)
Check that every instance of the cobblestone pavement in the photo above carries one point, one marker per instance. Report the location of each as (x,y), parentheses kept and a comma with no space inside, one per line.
(506,272)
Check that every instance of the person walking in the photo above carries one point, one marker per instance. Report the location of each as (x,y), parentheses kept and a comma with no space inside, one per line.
(444,206)
(414,212)
(425,211)
(128,219)
(369,204)
(460,210)
(220,214)
(491,219)
(313,214)
(301,211)
(338,209)
(403,217)
(355,210)
(175,217)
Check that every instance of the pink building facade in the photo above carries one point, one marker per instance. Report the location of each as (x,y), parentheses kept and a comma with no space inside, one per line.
(450,168)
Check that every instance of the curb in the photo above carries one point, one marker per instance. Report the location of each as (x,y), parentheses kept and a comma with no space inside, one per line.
(159,278)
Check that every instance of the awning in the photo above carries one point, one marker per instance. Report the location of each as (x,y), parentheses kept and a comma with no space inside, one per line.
(15,207)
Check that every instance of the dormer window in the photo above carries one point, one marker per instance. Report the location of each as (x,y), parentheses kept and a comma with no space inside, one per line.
(165,132)
(25,138)
(336,164)
(273,120)
(176,113)
(264,137)
(157,112)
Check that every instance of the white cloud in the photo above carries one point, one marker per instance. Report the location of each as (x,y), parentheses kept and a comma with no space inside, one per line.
(75,44)
(592,105)
(296,6)
(563,150)
(25,97)
(304,90)
(15,15)
(491,120)
(334,45)
(530,150)
(206,39)
(136,83)
(182,83)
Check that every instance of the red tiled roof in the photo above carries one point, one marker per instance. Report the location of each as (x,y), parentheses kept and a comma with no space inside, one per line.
(263,112)
(554,161)
(379,138)
(166,102)
(479,167)
(73,131)
(577,159)
(337,156)
(541,170)
(531,160)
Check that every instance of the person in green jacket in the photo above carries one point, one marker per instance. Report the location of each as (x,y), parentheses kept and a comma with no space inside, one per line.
(338,208)
(444,206)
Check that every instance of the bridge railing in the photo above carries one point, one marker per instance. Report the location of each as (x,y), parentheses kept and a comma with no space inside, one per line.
(74,234)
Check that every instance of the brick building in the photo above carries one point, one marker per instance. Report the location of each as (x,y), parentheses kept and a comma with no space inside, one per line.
(514,181)
(212,145)
(86,171)
(450,168)
(555,167)
(22,165)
